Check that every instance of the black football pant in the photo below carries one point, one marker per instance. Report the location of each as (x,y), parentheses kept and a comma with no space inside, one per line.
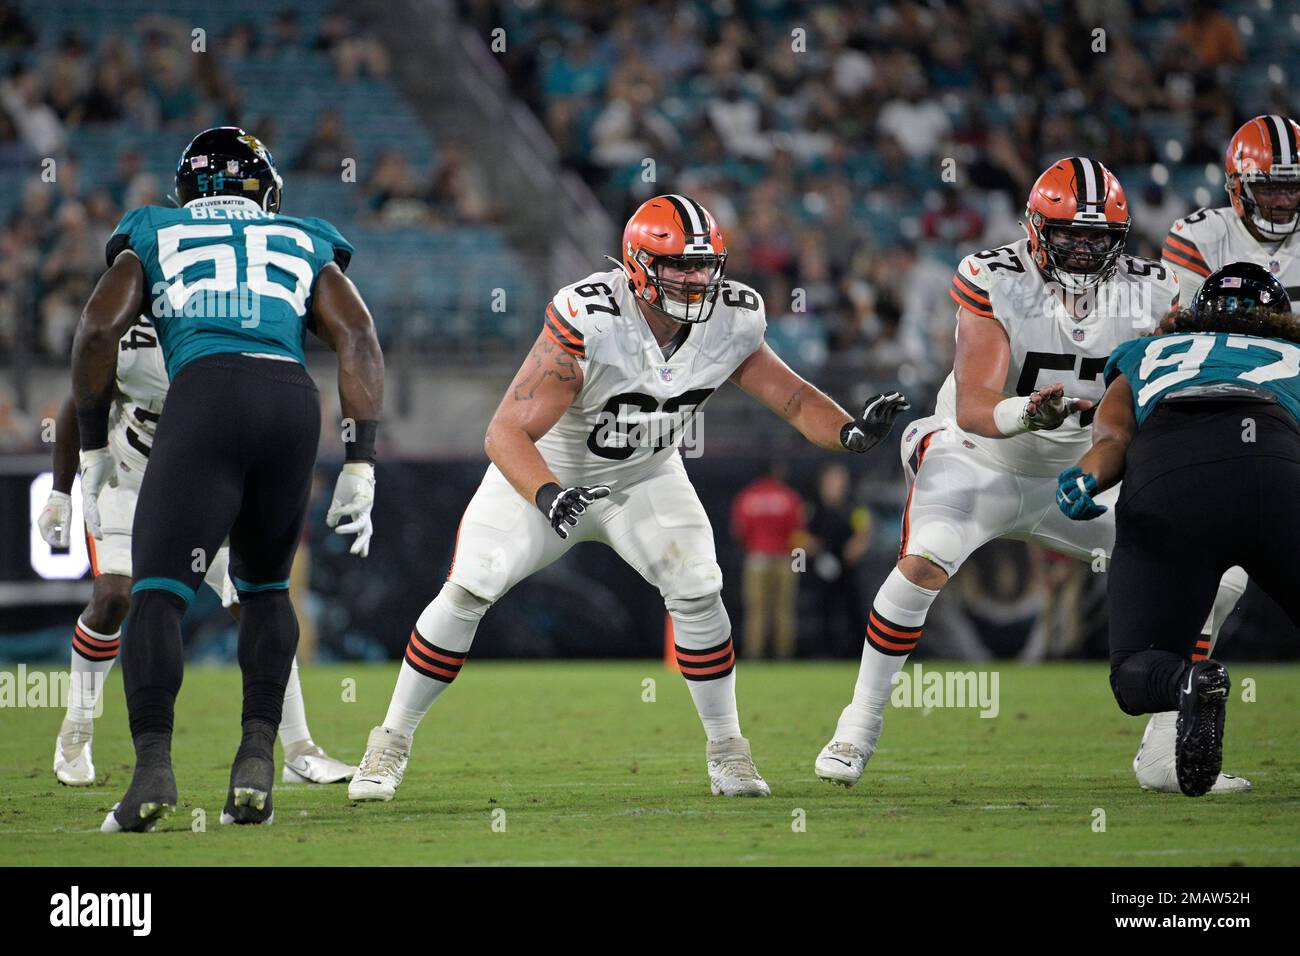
(233,455)
(1207,485)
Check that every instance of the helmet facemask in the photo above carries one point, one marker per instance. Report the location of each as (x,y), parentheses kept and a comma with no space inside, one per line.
(682,300)
(1080,256)
(1280,190)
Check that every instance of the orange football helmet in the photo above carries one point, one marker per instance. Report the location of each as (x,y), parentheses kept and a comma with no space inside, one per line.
(1078,219)
(1262,162)
(674,234)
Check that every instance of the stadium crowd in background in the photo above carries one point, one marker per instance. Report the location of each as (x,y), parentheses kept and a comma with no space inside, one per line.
(820,133)
(52,239)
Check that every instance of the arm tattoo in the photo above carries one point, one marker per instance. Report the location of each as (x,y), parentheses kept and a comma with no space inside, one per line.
(791,407)
(548,360)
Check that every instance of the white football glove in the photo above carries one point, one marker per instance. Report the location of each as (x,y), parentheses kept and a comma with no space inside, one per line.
(96,470)
(56,519)
(354,496)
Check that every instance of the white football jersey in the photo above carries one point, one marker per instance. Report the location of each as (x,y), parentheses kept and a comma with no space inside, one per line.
(1048,345)
(1210,239)
(138,398)
(635,406)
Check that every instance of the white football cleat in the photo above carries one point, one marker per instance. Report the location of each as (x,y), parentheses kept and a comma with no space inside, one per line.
(306,762)
(73,764)
(382,766)
(1155,764)
(731,769)
(843,760)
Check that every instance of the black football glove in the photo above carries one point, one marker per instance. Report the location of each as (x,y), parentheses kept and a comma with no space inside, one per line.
(873,426)
(564,506)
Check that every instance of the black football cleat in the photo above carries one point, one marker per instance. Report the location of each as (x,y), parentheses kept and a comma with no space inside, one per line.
(149,799)
(251,778)
(1198,753)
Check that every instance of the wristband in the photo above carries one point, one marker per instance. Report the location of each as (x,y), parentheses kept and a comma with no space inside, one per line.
(92,425)
(546,496)
(1009,416)
(362,446)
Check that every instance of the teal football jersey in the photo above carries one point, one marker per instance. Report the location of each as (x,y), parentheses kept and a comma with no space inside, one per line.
(222,275)
(1210,364)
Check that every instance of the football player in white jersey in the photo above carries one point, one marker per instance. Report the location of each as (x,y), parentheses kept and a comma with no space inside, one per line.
(1261,224)
(1036,321)
(584,448)
(140,391)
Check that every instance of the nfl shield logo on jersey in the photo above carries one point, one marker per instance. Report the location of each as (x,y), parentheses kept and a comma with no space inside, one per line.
(665,373)
(1274,266)
(1077,334)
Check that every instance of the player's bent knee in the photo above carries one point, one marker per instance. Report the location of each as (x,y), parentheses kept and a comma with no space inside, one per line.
(110,600)
(457,601)
(698,578)
(1126,672)
(699,622)
(938,543)
(922,572)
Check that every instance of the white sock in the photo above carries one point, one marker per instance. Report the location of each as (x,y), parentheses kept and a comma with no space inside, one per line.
(435,653)
(715,701)
(894,627)
(293,719)
(711,678)
(1231,587)
(92,658)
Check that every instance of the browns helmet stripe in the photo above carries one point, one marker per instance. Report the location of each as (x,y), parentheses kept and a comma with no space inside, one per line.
(1080,184)
(688,224)
(699,213)
(1089,187)
(1281,137)
(695,221)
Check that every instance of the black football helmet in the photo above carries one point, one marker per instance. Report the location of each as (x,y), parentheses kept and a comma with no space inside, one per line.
(226,161)
(1239,288)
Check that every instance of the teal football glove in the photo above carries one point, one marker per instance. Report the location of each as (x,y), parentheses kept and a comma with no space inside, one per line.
(1074,495)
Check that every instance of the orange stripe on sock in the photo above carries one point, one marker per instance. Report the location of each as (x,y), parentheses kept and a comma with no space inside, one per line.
(428,650)
(427,668)
(910,634)
(875,638)
(701,671)
(94,641)
(93,653)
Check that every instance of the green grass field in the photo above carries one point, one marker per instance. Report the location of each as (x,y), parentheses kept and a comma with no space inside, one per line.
(588,773)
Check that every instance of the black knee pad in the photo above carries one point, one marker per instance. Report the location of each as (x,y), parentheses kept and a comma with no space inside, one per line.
(268,639)
(1146,682)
